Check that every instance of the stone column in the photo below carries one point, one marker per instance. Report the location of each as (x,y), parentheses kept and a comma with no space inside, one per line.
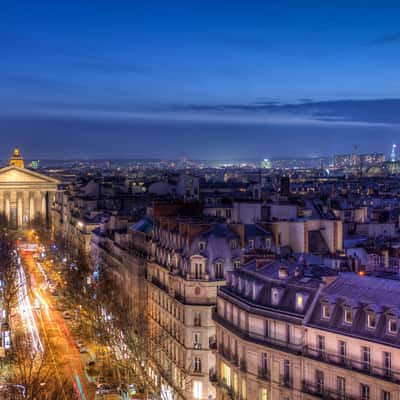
(25,207)
(19,210)
(43,205)
(31,206)
(7,206)
(2,205)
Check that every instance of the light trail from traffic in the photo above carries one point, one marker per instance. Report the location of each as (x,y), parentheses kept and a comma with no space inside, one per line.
(25,308)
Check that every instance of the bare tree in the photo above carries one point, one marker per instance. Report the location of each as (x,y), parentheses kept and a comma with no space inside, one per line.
(33,371)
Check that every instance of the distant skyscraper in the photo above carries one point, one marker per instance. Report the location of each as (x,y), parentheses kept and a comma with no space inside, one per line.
(393,154)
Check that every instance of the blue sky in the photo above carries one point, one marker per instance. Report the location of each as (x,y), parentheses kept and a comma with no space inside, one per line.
(199,78)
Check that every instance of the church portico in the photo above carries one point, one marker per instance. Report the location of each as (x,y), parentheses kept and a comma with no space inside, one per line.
(25,195)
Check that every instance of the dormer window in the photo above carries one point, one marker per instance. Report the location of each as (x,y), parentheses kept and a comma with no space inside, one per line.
(202,246)
(236,264)
(347,315)
(392,326)
(219,270)
(326,311)
(299,302)
(371,320)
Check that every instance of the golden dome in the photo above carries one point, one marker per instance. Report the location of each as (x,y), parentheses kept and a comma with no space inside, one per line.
(16,158)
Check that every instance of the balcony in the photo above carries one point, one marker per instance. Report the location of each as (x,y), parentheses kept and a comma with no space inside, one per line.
(294,348)
(322,393)
(157,283)
(286,381)
(225,352)
(213,344)
(213,376)
(263,374)
(359,366)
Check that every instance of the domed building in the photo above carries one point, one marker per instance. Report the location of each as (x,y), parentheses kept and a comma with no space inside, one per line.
(25,195)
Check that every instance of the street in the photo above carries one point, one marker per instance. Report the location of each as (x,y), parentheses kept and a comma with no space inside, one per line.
(55,331)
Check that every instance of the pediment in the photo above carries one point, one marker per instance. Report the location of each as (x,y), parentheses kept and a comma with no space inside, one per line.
(13,174)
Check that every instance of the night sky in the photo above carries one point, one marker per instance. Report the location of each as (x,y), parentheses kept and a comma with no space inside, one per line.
(205,79)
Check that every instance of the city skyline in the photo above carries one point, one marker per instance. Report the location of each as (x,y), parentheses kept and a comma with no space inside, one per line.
(269,80)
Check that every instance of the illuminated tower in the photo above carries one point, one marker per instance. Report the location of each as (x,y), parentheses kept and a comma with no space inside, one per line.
(393,155)
(17,159)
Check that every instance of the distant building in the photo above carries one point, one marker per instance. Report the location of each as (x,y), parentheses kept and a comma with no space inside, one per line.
(266,164)
(285,186)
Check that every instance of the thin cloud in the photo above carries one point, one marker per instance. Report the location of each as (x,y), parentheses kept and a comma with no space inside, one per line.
(384,39)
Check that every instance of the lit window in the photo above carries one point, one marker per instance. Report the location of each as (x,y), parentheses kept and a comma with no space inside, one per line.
(371,320)
(299,302)
(347,315)
(244,390)
(235,383)
(392,325)
(234,244)
(264,394)
(326,311)
(197,389)
(226,374)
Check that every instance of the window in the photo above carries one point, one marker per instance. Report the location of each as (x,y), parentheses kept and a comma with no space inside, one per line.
(202,246)
(234,244)
(275,296)
(321,345)
(286,370)
(392,325)
(299,302)
(387,363)
(385,395)
(197,364)
(341,387)
(264,394)
(251,244)
(244,390)
(268,243)
(365,392)
(347,315)
(264,364)
(235,383)
(266,330)
(219,270)
(342,351)
(326,311)
(197,319)
(366,358)
(197,270)
(197,389)
(226,374)
(236,263)
(196,340)
(319,381)
(371,320)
